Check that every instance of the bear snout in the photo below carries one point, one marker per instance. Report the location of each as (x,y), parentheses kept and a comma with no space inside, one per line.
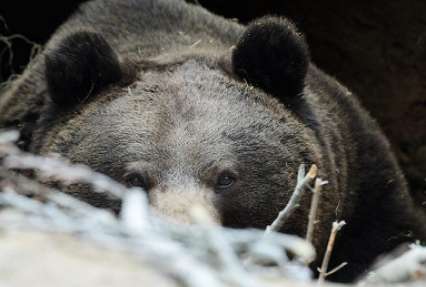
(187,205)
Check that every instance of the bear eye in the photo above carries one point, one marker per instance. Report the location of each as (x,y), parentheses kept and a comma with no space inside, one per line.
(135,179)
(225,180)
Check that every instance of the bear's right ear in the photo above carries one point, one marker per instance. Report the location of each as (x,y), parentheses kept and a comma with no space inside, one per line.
(82,64)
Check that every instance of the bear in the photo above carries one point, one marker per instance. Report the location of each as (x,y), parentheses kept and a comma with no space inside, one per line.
(195,108)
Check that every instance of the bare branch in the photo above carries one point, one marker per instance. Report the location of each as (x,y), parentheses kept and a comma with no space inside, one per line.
(302,181)
(337,268)
(8,40)
(313,209)
(330,245)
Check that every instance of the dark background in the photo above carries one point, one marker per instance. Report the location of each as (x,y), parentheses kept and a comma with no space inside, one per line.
(377,48)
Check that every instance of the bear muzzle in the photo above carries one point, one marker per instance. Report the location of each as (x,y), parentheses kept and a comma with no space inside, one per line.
(187,205)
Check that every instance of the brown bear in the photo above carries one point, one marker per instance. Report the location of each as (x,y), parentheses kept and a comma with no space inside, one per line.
(163,95)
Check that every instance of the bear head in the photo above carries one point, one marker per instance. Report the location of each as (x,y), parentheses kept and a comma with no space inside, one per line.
(217,128)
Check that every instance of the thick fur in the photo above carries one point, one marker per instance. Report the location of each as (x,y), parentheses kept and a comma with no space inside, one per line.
(81,65)
(274,56)
(196,108)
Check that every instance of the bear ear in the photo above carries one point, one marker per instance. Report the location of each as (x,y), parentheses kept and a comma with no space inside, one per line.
(273,56)
(82,64)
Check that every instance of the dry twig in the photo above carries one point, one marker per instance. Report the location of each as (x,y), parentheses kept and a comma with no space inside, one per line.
(302,181)
(314,208)
(8,40)
(330,245)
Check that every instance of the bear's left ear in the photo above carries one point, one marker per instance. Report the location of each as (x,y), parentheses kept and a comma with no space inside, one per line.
(272,55)
(82,64)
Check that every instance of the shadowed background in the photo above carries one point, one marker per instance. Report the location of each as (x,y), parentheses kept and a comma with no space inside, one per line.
(377,48)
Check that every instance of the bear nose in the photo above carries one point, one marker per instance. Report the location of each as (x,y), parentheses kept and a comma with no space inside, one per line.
(184,205)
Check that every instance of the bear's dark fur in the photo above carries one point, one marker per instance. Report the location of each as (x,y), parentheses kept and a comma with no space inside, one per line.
(193,107)
(78,67)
